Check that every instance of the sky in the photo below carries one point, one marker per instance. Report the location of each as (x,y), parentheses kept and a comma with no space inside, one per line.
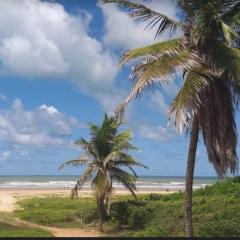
(59,71)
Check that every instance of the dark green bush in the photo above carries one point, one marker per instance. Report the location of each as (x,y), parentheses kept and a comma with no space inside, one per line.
(138,217)
(153,197)
(120,212)
(87,216)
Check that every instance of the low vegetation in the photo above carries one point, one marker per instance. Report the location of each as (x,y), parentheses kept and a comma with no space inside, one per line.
(58,211)
(10,228)
(216,212)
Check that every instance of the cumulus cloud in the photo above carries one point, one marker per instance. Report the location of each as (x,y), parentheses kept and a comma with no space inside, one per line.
(122,32)
(45,126)
(158,133)
(40,39)
(12,152)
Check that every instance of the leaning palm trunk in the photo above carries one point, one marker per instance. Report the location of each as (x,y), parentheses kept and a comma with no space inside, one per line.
(189,176)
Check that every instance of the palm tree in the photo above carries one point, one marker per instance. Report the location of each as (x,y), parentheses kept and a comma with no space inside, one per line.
(105,153)
(209,56)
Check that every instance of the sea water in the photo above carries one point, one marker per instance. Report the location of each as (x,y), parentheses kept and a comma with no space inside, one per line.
(143,183)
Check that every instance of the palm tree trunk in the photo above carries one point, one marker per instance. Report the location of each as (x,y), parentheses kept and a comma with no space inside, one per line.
(108,204)
(100,208)
(189,176)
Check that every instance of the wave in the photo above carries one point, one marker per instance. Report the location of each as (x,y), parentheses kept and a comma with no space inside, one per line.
(69,184)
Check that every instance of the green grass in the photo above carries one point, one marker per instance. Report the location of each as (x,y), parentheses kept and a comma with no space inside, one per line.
(9,228)
(58,211)
(216,212)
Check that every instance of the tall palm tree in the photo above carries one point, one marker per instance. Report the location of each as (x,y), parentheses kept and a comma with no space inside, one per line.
(209,56)
(105,153)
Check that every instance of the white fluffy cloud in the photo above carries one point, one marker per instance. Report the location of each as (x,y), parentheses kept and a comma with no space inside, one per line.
(43,40)
(158,133)
(122,32)
(39,39)
(45,126)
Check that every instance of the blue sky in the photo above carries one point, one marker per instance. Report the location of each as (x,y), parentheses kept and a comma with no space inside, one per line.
(59,71)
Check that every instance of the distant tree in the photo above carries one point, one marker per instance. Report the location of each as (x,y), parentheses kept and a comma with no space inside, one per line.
(208,53)
(105,153)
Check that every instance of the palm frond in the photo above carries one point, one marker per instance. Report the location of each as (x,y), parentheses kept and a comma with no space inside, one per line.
(191,7)
(143,13)
(100,182)
(79,184)
(94,130)
(218,126)
(166,47)
(88,147)
(129,163)
(127,179)
(187,99)
(121,159)
(111,157)
(153,72)
(230,35)
(225,58)
(231,12)
(75,163)
(122,141)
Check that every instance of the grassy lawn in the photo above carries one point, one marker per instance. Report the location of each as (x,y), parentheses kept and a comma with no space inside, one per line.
(216,212)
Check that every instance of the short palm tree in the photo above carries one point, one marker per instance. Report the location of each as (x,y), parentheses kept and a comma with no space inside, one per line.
(209,56)
(105,154)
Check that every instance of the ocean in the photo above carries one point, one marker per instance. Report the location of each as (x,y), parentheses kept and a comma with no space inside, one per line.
(156,183)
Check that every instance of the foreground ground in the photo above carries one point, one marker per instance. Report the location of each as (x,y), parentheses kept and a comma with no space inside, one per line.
(12,226)
(216,212)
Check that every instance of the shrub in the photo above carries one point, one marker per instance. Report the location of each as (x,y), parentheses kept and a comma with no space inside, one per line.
(153,197)
(86,216)
(139,217)
(151,231)
(120,212)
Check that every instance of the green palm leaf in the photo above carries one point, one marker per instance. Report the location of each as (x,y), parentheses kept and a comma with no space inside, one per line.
(225,58)
(89,148)
(229,34)
(187,98)
(127,179)
(166,47)
(100,182)
(121,141)
(75,163)
(151,73)
(142,13)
